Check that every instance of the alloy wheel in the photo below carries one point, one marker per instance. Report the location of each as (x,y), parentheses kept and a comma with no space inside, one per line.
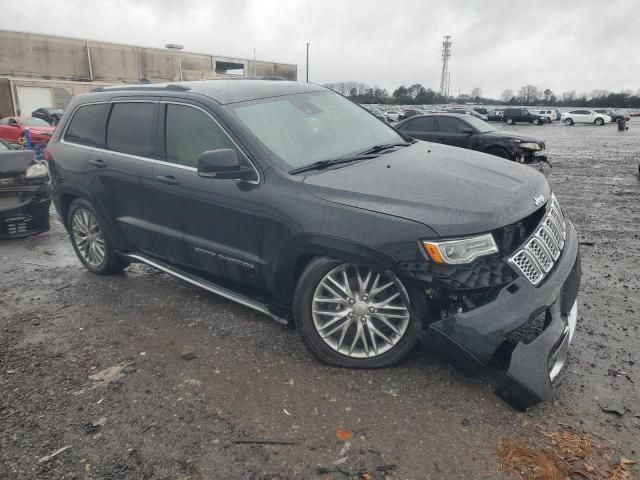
(360,313)
(88,237)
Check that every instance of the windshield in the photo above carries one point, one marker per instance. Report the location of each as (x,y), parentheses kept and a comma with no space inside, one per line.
(480,125)
(33,122)
(306,128)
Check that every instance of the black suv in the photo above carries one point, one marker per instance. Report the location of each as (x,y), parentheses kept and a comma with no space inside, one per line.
(467,131)
(294,201)
(516,115)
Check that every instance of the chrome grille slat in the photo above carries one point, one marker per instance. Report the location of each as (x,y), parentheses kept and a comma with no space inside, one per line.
(537,256)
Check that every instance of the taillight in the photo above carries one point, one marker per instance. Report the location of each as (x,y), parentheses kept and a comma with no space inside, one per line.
(47,154)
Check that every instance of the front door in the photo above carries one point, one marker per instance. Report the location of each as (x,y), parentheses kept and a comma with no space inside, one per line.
(451,131)
(220,219)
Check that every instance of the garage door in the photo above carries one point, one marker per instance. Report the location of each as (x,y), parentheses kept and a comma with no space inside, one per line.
(32,98)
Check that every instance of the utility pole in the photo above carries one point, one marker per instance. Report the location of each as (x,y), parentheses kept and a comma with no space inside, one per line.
(445,78)
(307,62)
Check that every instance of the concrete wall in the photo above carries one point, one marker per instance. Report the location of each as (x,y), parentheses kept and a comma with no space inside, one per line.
(48,57)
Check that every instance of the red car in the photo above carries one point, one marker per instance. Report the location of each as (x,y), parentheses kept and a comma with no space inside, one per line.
(13,128)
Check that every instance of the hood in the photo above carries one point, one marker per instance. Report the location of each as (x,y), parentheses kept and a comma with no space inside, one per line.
(506,134)
(14,163)
(41,130)
(453,191)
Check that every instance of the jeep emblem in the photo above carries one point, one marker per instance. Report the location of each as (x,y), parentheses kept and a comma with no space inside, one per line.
(539,200)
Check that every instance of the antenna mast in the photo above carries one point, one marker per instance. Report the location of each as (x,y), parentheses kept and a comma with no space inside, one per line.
(445,78)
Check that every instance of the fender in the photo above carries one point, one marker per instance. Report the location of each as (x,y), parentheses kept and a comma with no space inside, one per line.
(314,244)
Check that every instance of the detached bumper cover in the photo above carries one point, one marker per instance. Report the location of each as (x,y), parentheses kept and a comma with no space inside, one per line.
(24,211)
(470,339)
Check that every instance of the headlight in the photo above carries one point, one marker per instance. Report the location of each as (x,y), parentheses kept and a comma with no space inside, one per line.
(36,170)
(516,140)
(455,252)
(530,146)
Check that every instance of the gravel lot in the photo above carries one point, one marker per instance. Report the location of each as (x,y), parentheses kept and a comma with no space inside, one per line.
(197,373)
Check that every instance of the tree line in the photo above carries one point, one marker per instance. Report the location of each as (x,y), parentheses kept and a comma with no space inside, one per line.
(526,95)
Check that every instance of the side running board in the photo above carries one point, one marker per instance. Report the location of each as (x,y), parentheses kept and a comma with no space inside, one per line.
(207,285)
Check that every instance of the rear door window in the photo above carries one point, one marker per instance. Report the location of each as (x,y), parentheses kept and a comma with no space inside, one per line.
(89,125)
(190,132)
(132,128)
(422,124)
(450,125)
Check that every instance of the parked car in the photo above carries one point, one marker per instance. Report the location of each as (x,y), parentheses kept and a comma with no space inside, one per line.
(495,115)
(24,198)
(466,131)
(292,200)
(50,115)
(12,129)
(392,116)
(585,116)
(549,115)
(521,115)
(615,115)
(409,112)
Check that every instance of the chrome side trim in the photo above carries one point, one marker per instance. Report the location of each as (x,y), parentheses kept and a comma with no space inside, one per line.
(209,286)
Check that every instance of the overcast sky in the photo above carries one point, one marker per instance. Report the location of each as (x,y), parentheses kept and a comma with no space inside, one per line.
(497,44)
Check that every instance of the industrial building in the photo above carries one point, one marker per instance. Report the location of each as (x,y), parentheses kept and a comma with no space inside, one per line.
(46,71)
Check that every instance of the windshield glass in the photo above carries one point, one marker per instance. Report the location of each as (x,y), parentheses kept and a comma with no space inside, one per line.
(480,125)
(306,128)
(33,122)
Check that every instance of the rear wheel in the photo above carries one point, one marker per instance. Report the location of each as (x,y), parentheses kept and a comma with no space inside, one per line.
(568,121)
(509,121)
(599,121)
(348,315)
(90,242)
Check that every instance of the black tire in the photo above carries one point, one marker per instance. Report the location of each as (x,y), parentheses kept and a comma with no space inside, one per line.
(568,121)
(302,305)
(510,121)
(549,120)
(112,262)
(617,119)
(536,121)
(599,121)
(498,152)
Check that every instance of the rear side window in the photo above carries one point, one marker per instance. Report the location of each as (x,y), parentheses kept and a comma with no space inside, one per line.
(189,132)
(450,125)
(422,124)
(89,125)
(132,128)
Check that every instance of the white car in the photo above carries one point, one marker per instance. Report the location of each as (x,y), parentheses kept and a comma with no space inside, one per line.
(584,116)
(392,116)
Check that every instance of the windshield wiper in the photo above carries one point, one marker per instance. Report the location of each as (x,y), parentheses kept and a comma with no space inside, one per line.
(382,147)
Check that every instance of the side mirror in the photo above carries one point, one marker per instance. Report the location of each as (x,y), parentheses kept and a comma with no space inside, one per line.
(223,164)
(469,131)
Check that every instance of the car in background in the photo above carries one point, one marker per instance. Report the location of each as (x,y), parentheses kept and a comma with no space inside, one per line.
(466,131)
(615,115)
(495,115)
(50,115)
(392,116)
(584,116)
(12,130)
(521,115)
(464,111)
(24,196)
(409,112)
(550,114)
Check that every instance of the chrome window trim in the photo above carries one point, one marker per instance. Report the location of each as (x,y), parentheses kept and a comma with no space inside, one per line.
(153,160)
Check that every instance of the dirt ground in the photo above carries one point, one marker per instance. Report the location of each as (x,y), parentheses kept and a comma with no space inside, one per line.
(197,373)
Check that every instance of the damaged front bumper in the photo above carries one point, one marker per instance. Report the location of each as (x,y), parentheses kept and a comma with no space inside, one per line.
(24,208)
(536,321)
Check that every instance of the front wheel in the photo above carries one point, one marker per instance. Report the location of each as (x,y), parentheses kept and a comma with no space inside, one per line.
(536,121)
(568,121)
(509,121)
(351,316)
(90,242)
(599,122)
(499,152)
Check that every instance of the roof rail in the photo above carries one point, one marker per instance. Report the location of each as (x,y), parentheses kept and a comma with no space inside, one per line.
(142,86)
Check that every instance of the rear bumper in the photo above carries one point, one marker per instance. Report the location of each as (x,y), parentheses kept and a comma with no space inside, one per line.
(24,211)
(469,340)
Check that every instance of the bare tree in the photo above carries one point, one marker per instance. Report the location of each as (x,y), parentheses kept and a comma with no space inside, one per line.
(529,94)
(568,96)
(506,95)
(476,93)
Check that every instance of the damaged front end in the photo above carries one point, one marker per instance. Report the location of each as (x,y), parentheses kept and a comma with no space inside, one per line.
(532,153)
(24,196)
(517,308)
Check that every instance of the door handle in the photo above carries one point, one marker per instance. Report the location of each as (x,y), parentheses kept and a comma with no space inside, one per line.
(98,163)
(440,139)
(168,179)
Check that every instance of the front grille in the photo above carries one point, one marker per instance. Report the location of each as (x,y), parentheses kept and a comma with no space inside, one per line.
(540,252)
(531,330)
(16,225)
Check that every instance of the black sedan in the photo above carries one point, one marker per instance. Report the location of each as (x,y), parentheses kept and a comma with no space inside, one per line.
(466,131)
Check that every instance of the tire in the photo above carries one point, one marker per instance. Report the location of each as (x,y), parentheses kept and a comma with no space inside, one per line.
(536,121)
(568,121)
(617,119)
(549,120)
(599,121)
(498,152)
(510,121)
(335,348)
(96,252)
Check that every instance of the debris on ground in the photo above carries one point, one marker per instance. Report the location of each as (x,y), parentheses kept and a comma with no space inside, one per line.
(560,455)
(343,435)
(112,374)
(189,355)
(611,406)
(92,427)
(264,441)
(51,456)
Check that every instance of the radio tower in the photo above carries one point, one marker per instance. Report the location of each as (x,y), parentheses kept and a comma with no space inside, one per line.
(446,55)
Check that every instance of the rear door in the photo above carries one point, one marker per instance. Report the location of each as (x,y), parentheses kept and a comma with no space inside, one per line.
(121,173)
(450,130)
(422,128)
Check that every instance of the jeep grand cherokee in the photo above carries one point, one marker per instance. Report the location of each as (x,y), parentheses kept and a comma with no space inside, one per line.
(294,201)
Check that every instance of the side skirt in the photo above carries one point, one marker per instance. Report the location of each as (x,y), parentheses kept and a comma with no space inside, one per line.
(205,284)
